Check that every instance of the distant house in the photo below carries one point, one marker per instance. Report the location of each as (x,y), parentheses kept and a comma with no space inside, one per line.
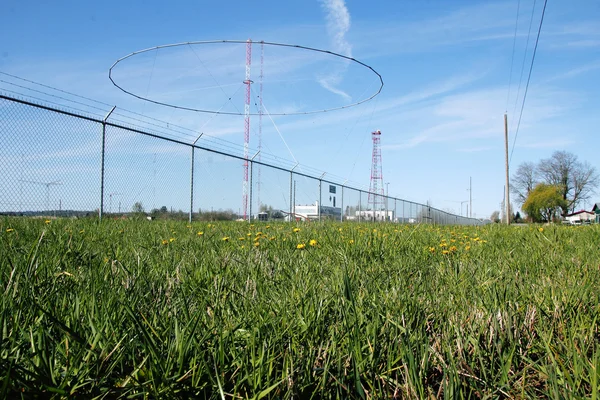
(596,211)
(582,216)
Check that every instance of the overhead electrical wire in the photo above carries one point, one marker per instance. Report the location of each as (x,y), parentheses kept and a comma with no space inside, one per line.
(512,58)
(523,65)
(528,78)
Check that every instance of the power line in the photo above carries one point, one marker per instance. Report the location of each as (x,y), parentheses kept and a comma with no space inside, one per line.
(512,58)
(528,79)
(523,63)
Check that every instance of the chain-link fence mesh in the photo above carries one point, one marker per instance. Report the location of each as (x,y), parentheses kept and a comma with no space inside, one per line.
(56,163)
(50,162)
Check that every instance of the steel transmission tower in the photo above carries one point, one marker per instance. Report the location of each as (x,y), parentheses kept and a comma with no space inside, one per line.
(248,82)
(376,186)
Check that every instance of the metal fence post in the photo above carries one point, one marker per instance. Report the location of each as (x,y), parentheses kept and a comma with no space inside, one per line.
(359,206)
(250,186)
(342,207)
(192,178)
(291,194)
(292,205)
(101,209)
(250,193)
(320,196)
(191,186)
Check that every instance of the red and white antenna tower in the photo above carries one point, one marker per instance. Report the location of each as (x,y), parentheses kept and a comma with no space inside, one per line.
(376,193)
(260,114)
(248,82)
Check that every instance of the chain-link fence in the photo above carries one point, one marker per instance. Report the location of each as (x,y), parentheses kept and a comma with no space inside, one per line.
(63,163)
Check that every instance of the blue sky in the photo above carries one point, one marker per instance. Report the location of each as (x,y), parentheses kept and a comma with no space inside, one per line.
(446,67)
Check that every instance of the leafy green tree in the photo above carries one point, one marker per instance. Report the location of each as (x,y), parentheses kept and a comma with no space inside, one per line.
(545,202)
(517,217)
(137,208)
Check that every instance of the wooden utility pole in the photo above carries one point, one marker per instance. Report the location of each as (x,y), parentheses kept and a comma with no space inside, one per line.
(506,196)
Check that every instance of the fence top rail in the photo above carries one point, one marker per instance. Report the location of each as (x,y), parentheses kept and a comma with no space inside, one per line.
(220,152)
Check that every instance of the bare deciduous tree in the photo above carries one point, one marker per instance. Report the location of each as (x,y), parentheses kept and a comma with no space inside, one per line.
(577,180)
(523,181)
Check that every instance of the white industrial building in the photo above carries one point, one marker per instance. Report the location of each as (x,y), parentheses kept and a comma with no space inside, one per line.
(311,212)
(375,215)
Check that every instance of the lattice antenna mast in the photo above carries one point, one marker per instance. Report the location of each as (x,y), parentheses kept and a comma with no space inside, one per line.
(376,193)
(260,114)
(248,82)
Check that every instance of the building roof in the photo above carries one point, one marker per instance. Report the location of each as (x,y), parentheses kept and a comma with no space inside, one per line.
(596,207)
(579,212)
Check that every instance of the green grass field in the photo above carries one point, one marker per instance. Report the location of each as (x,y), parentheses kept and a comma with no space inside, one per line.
(232,310)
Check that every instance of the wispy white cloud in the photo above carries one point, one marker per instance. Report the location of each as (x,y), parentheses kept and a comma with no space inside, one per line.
(545,143)
(338,25)
(582,69)
(476,115)
(474,149)
(474,23)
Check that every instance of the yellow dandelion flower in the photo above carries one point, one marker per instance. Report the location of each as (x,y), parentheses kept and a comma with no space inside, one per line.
(225,239)
(165,241)
(445,252)
(467,248)
(267,227)
(351,241)
(242,238)
(9,230)
(432,249)
(256,244)
(541,229)
(200,233)
(272,238)
(248,234)
(443,244)
(300,246)
(374,230)
(312,242)
(296,229)
(453,248)
(47,221)
(171,240)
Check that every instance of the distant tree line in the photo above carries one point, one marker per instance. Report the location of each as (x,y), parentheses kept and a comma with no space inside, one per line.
(554,186)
